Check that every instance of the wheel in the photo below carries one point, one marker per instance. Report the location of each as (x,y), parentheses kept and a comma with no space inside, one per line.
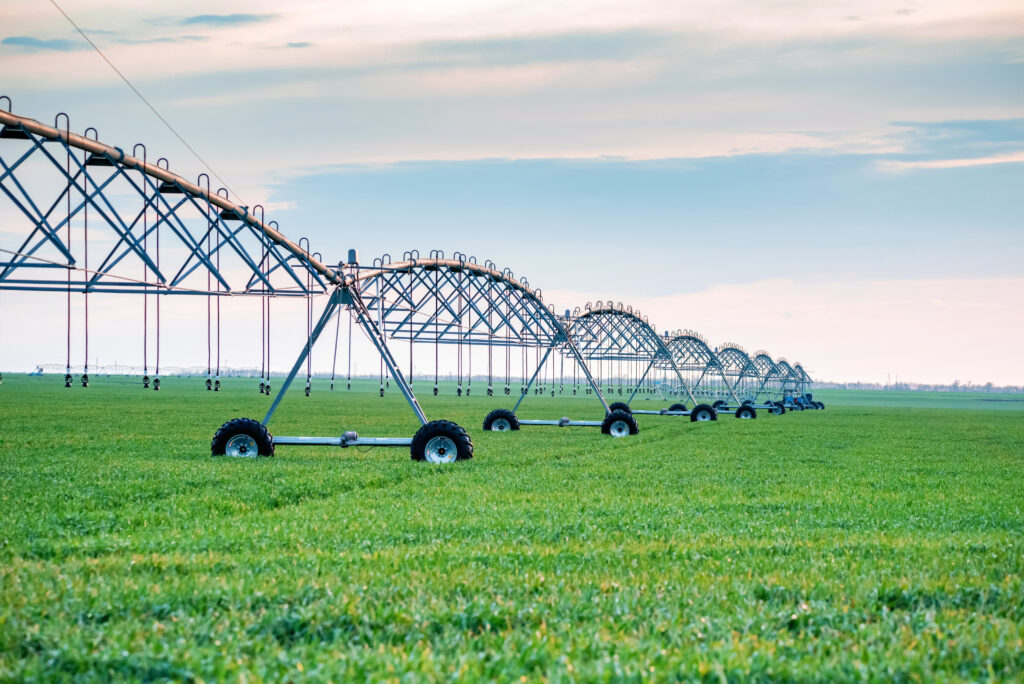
(677,407)
(796,407)
(746,412)
(619,406)
(776,409)
(501,420)
(748,402)
(441,441)
(619,424)
(718,404)
(242,438)
(702,413)
(821,405)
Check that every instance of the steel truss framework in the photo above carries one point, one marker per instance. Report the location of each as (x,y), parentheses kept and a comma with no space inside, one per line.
(704,372)
(602,333)
(152,232)
(616,332)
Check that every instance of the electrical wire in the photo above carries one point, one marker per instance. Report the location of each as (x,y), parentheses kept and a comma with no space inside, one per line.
(144,100)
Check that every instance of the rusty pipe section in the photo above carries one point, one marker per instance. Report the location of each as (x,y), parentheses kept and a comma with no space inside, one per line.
(119,156)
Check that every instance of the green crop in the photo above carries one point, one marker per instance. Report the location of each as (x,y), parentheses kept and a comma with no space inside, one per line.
(877,542)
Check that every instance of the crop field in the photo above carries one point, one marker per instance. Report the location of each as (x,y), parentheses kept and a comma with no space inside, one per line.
(872,541)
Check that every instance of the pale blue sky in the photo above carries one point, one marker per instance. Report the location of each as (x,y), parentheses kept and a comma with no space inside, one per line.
(630,150)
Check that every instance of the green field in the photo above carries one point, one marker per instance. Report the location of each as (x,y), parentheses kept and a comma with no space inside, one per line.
(867,541)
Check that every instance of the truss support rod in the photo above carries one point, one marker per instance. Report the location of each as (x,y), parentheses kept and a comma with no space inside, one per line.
(532,378)
(640,382)
(586,372)
(329,310)
(365,320)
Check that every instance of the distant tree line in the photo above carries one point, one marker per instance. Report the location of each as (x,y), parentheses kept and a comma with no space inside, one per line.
(955,386)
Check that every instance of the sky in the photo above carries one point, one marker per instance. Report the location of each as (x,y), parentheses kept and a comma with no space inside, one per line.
(836,182)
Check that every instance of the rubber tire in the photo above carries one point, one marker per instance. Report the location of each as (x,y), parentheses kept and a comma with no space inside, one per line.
(620,406)
(677,407)
(437,428)
(749,410)
(513,421)
(718,404)
(243,426)
(702,407)
(821,406)
(778,409)
(614,416)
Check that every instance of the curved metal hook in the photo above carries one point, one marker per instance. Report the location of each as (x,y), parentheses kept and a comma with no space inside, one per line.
(56,122)
(166,166)
(95,133)
(9,103)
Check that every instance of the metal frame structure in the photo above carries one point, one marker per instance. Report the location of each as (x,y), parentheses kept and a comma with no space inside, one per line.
(616,333)
(156,233)
(56,179)
(699,365)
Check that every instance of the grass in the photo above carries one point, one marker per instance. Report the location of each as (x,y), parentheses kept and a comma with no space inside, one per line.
(861,542)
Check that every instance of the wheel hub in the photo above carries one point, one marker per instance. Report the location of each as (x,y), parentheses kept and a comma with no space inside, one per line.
(241,446)
(501,425)
(703,416)
(618,429)
(440,449)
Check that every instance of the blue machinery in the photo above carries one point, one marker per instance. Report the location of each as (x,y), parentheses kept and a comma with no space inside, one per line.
(156,234)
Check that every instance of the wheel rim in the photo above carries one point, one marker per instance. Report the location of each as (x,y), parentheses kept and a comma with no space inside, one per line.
(703,416)
(440,449)
(242,446)
(744,414)
(619,428)
(501,425)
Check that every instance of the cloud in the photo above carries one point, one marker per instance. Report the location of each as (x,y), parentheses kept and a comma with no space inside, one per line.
(30,44)
(923,329)
(225,19)
(956,144)
(555,47)
(299,44)
(898,166)
(161,39)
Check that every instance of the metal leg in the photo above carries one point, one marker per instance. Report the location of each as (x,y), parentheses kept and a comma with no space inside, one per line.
(640,382)
(586,371)
(365,320)
(532,378)
(329,310)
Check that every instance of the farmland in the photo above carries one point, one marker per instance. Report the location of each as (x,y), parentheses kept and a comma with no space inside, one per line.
(878,539)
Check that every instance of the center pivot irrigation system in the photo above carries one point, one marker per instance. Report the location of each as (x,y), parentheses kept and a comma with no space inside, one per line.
(154,234)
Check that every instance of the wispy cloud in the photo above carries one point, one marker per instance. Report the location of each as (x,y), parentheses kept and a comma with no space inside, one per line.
(225,19)
(31,44)
(900,166)
(299,44)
